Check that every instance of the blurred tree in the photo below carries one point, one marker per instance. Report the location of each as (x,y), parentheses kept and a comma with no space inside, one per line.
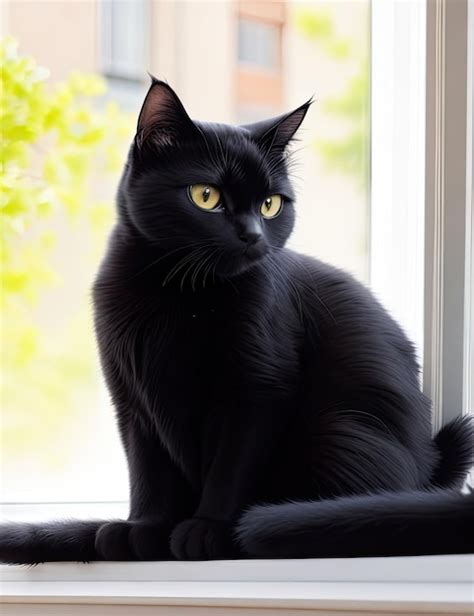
(55,140)
(350,153)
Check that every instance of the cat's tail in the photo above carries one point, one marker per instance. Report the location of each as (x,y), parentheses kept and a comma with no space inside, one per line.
(72,540)
(455,442)
(387,524)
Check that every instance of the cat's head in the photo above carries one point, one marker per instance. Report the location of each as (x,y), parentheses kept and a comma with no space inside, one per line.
(214,194)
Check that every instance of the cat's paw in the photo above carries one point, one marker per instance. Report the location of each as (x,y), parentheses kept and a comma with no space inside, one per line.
(202,539)
(133,540)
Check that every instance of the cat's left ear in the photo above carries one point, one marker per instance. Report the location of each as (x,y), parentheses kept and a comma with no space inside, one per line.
(276,133)
(163,119)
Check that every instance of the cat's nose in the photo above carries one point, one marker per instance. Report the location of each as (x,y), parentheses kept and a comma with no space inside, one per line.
(250,231)
(250,237)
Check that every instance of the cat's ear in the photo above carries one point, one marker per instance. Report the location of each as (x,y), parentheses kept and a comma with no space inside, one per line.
(163,120)
(276,133)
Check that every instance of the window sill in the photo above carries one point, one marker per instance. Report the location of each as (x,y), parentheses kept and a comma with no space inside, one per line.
(425,584)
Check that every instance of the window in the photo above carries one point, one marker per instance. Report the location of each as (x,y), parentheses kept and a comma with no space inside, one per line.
(448,220)
(363,202)
(259,44)
(397,185)
(327,55)
(124,38)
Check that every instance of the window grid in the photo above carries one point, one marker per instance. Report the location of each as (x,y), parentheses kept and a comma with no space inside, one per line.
(124,38)
(258,44)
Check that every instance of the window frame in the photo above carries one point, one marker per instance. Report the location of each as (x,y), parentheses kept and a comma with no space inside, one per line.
(468,402)
(424,277)
(420,584)
(448,240)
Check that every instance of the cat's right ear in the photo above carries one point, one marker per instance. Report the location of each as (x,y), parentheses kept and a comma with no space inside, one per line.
(277,133)
(163,120)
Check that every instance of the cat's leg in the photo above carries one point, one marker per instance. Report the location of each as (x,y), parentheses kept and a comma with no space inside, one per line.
(235,477)
(365,496)
(159,498)
(370,499)
(351,451)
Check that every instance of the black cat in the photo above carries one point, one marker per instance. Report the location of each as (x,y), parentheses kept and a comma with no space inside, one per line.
(268,405)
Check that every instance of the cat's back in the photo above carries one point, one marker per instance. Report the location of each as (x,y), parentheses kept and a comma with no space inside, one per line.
(344,311)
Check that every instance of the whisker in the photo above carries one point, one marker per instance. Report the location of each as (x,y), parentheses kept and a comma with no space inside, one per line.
(209,266)
(181,263)
(201,263)
(215,266)
(163,257)
(190,268)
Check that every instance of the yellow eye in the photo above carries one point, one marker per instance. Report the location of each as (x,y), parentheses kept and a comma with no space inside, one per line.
(271,207)
(205,196)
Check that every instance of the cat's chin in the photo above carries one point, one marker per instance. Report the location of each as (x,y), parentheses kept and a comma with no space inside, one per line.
(241,264)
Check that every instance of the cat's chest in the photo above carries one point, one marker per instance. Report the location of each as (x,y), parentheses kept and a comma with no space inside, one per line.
(187,344)
(172,345)
(190,364)
(188,353)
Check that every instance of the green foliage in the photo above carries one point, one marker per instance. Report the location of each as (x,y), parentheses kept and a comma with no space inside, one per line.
(57,140)
(349,153)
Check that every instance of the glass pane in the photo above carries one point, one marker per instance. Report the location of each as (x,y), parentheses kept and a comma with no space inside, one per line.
(123,27)
(59,440)
(327,57)
(397,186)
(258,44)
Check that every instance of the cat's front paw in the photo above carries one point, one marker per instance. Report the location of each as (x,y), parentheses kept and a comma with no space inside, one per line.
(133,540)
(203,539)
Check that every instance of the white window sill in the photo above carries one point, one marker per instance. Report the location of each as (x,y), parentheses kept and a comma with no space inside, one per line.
(416,585)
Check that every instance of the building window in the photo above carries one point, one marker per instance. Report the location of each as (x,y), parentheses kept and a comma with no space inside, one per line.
(259,44)
(124,38)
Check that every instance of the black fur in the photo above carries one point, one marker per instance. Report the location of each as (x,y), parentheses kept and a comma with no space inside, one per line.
(405,523)
(244,373)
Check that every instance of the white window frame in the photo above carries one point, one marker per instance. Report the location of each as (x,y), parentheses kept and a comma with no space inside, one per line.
(468,403)
(421,188)
(448,241)
(420,584)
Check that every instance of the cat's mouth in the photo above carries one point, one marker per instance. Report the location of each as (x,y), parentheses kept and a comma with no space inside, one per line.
(255,251)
